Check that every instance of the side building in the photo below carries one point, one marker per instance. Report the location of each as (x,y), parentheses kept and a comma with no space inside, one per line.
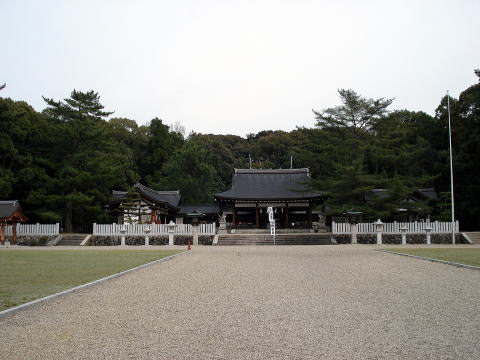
(150,206)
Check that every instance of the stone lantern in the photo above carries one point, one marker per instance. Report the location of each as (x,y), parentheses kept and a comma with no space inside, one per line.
(123,230)
(195,216)
(171,230)
(148,229)
(379,229)
(428,230)
(403,230)
(353,217)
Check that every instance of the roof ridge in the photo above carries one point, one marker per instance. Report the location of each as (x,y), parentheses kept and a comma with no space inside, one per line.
(161,192)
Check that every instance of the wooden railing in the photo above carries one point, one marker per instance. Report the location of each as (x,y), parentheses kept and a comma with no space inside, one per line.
(155,229)
(415,227)
(34,229)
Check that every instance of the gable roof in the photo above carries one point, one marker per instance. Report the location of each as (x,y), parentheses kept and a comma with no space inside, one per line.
(428,194)
(10,211)
(169,198)
(165,197)
(270,184)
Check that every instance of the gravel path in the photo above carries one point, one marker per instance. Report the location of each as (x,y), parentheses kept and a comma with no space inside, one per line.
(312,302)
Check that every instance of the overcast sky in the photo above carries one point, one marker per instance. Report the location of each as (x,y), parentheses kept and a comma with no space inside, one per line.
(238,67)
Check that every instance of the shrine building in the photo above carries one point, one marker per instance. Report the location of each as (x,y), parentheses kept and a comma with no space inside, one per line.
(253,191)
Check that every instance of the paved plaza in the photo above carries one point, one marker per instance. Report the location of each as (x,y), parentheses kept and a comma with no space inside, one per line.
(303,302)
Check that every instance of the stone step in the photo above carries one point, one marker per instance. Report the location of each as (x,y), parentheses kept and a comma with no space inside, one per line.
(474,236)
(281,239)
(72,239)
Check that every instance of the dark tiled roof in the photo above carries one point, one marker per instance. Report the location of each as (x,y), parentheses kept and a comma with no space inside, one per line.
(9,208)
(118,195)
(278,184)
(202,209)
(171,198)
(428,194)
(166,197)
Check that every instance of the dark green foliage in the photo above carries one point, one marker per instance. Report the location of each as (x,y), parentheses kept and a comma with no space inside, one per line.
(189,170)
(63,163)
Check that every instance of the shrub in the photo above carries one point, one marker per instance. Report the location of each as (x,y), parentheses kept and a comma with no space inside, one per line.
(397,239)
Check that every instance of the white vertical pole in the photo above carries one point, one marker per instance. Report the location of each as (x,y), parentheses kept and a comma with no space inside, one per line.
(451,168)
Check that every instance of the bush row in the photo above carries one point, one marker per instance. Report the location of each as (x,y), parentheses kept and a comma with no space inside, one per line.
(397,239)
(31,240)
(140,240)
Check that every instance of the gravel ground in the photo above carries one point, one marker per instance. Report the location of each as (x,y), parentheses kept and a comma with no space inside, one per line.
(303,302)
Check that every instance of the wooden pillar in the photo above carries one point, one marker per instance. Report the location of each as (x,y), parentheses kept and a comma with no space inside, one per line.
(286,215)
(2,234)
(14,233)
(234,215)
(257,216)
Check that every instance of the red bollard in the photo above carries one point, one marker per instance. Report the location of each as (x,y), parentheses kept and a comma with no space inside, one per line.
(188,245)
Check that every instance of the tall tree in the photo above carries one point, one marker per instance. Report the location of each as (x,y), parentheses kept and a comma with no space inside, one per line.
(89,160)
(189,171)
(355,113)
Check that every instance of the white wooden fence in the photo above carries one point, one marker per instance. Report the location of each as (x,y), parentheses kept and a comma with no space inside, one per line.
(34,229)
(416,227)
(155,229)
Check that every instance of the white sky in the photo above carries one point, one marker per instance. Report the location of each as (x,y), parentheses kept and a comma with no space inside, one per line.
(220,66)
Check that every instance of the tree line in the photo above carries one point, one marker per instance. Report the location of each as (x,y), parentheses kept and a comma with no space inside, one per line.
(63,162)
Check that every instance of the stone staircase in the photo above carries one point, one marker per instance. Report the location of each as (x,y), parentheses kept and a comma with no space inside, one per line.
(71,239)
(474,236)
(280,239)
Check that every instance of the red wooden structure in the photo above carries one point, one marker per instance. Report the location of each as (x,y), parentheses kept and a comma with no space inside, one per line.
(10,214)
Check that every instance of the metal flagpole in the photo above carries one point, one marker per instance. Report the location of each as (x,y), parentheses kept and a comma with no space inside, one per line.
(451,168)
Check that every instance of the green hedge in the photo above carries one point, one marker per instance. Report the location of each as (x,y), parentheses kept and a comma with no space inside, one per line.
(154,240)
(397,239)
(31,240)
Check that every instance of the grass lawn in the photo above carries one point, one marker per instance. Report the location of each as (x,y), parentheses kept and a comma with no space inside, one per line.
(30,274)
(463,256)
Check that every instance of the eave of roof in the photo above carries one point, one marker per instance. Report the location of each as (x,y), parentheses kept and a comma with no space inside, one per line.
(167,198)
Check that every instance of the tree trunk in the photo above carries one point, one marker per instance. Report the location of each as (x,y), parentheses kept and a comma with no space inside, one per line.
(68,217)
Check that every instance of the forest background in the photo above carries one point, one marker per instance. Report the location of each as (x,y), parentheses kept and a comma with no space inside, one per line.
(62,163)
